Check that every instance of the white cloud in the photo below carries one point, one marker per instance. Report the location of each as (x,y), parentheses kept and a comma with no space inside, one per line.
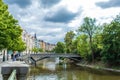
(32,17)
(52,39)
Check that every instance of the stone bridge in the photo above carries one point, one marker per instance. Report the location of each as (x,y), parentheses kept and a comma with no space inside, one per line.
(52,55)
(39,56)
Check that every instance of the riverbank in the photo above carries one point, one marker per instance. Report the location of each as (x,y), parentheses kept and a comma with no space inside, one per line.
(99,69)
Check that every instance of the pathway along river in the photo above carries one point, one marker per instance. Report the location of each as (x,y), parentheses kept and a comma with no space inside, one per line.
(49,69)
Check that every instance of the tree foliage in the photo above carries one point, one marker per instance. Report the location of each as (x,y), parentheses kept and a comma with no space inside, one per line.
(35,50)
(10,31)
(40,50)
(89,28)
(60,48)
(111,42)
(68,41)
(82,45)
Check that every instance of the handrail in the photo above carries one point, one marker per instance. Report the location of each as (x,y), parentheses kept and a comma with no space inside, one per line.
(12,75)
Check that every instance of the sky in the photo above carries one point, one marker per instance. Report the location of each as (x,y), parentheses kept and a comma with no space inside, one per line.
(52,19)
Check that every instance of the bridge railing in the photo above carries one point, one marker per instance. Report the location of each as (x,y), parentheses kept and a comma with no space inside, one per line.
(54,55)
(13,75)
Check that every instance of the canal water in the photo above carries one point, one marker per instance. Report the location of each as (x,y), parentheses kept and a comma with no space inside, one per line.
(50,69)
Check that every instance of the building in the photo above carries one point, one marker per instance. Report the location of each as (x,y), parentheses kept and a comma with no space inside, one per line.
(32,42)
(42,44)
(29,41)
(46,46)
(49,47)
(36,42)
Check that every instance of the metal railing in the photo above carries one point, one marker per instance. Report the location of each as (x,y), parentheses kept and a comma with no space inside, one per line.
(13,75)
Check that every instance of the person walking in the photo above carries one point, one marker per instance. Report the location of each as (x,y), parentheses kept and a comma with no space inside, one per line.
(13,56)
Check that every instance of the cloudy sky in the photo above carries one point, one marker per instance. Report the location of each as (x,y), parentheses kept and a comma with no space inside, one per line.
(51,19)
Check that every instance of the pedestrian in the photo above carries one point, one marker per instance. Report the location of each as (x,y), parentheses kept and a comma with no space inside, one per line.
(14,56)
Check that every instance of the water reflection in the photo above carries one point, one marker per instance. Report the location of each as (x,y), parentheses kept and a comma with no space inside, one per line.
(50,70)
(47,77)
(50,66)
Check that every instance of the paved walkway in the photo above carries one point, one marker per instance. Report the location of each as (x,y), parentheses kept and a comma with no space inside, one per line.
(2,63)
(10,62)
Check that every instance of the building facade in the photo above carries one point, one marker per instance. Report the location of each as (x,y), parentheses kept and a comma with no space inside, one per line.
(29,41)
(32,42)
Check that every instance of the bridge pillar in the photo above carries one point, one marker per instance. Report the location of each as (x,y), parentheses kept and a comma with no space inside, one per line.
(20,67)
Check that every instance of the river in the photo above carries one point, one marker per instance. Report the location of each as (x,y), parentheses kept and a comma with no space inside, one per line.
(50,69)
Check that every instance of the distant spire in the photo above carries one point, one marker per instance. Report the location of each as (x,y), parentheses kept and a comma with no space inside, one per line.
(35,36)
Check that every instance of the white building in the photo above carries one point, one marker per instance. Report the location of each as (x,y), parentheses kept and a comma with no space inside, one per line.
(29,41)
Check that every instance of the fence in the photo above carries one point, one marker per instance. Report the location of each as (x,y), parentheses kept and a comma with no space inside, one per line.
(12,75)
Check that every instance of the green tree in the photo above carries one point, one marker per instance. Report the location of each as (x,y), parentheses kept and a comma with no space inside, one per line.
(74,46)
(83,46)
(10,31)
(89,28)
(21,46)
(35,50)
(68,41)
(98,46)
(60,48)
(4,38)
(111,42)
(40,50)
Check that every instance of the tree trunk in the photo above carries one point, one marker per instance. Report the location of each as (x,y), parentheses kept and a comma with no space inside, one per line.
(91,47)
(3,55)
